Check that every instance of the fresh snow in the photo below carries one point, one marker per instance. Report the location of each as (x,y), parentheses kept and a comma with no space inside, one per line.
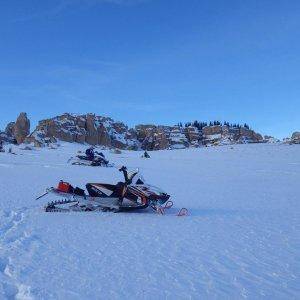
(240,240)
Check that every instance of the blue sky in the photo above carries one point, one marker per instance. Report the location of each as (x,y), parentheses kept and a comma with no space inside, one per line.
(153,61)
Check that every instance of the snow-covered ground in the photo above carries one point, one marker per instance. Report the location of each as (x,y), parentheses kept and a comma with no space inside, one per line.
(240,240)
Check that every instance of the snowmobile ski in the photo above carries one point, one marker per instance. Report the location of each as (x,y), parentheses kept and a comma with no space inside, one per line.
(169,204)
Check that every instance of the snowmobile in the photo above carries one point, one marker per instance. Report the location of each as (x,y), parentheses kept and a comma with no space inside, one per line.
(121,197)
(145,155)
(83,160)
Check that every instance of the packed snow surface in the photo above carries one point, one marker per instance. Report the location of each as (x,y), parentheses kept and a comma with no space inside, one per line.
(240,240)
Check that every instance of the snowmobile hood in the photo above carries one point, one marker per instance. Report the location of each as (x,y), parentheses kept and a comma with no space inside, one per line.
(150,192)
(149,187)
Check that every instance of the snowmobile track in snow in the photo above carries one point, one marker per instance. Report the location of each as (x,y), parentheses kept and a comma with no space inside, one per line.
(13,239)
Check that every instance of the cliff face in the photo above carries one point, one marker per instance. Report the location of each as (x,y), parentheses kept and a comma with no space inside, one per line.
(229,135)
(104,131)
(90,129)
(295,139)
(16,132)
(21,128)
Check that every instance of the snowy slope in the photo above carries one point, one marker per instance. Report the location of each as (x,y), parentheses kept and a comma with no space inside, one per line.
(241,239)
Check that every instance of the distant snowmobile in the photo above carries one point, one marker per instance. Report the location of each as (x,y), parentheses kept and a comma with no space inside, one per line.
(95,160)
(123,196)
(146,155)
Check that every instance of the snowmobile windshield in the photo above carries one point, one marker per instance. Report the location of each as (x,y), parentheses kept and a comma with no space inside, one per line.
(155,189)
(141,181)
(132,175)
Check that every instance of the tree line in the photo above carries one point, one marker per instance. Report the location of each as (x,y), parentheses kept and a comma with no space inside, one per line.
(201,125)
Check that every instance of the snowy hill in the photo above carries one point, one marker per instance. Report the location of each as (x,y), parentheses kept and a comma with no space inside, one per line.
(240,240)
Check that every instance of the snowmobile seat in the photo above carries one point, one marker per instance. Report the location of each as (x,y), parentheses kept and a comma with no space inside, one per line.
(118,190)
(78,191)
(83,157)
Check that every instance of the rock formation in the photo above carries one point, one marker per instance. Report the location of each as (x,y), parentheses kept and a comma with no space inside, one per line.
(90,129)
(151,137)
(193,135)
(9,130)
(295,138)
(220,135)
(16,132)
(21,128)
(104,131)
(270,139)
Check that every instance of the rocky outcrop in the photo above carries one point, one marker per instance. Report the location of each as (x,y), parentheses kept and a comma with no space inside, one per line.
(193,135)
(5,138)
(212,130)
(21,128)
(213,134)
(151,137)
(221,135)
(89,128)
(248,136)
(16,132)
(104,131)
(9,130)
(91,136)
(177,138)
(295,139)
(270,139)
(8,135)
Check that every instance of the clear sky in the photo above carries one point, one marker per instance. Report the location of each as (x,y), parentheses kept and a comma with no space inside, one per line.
(153,61)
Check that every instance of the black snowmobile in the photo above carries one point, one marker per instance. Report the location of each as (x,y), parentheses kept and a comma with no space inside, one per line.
(97,160)
(146,155)
(123,196)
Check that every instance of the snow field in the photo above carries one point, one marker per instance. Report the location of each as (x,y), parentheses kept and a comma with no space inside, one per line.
(240,240)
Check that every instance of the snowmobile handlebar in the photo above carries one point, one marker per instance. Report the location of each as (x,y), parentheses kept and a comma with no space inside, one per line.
(125,173)
(128,176)
(99,153)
